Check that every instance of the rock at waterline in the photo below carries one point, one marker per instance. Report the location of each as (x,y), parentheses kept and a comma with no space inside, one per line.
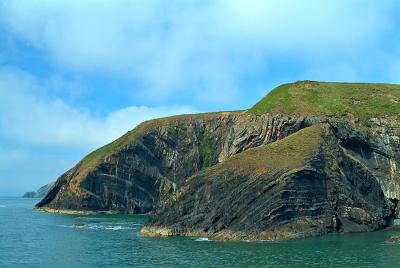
(393,239)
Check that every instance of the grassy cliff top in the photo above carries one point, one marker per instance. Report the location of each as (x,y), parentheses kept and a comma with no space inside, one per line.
(362,100)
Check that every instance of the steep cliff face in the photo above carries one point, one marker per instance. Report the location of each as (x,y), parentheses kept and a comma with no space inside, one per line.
(305,184)
(183,168)
(376,146)
(146,165)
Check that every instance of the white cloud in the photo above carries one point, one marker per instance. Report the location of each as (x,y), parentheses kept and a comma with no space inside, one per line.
(28,114)
(194,51)
(41,136)
(204,47)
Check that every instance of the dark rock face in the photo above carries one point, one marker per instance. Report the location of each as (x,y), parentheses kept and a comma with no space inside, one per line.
(39,193)
(157,162)
(350,182)
(327,191)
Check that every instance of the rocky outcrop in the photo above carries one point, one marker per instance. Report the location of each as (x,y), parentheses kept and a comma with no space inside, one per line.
(39,193)
(149,169)
(303,185)
(393,239)
(146,165)
(188,170)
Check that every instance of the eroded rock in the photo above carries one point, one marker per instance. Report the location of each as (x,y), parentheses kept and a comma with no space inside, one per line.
(306,184)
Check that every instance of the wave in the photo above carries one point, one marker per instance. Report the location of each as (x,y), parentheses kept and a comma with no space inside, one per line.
(202,239)
(2,206)
(110,227)
(114,223)
(205,239)
(262,241)
(109,221)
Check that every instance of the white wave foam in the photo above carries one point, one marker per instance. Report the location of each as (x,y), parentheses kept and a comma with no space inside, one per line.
(111,227)
(99,227)
(116,228)
(202,239)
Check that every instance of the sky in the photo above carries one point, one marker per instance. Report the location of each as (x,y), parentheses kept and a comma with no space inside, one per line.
(75,75)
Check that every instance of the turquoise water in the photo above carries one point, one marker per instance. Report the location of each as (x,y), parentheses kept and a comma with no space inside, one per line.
(30,238)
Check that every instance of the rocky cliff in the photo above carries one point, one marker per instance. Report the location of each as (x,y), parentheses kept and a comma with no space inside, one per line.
(246,174)
(39,193)
(146,165)
(308,183)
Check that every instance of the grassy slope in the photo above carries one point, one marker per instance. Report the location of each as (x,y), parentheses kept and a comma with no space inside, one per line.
(361,100)
(289,152)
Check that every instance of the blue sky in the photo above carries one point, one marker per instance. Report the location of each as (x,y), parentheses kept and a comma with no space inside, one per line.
(75,75)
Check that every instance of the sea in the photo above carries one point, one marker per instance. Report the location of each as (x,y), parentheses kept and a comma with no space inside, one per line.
(32,238)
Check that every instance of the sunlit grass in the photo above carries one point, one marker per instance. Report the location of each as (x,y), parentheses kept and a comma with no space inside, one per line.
(361,100)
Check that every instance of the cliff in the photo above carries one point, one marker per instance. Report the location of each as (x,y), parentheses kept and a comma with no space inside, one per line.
(310,158)
(303,185)
(146,165)
(39,193)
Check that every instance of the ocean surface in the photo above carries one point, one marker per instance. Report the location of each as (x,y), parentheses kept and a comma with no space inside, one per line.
(31,238)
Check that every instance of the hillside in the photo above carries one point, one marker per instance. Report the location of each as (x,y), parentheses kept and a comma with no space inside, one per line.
(361,100)
(149,167)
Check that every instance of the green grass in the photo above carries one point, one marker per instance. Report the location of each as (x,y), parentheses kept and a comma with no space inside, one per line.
(361,100)
(288,153)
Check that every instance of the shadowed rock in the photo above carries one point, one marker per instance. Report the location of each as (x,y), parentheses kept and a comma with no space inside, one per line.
(180,168)
(303,185)
(146,165)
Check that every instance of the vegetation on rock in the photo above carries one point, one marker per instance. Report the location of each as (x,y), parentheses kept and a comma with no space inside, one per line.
(180,167)
(361,100)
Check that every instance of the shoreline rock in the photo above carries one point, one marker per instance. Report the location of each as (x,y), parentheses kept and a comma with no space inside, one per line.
(393,239)
(77,212)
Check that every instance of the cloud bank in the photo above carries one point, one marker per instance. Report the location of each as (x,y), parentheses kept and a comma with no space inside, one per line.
(41,136)
(29,115)
(202,47)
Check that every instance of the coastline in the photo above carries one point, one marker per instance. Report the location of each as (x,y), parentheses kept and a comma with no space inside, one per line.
(83,212)
(232,236)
